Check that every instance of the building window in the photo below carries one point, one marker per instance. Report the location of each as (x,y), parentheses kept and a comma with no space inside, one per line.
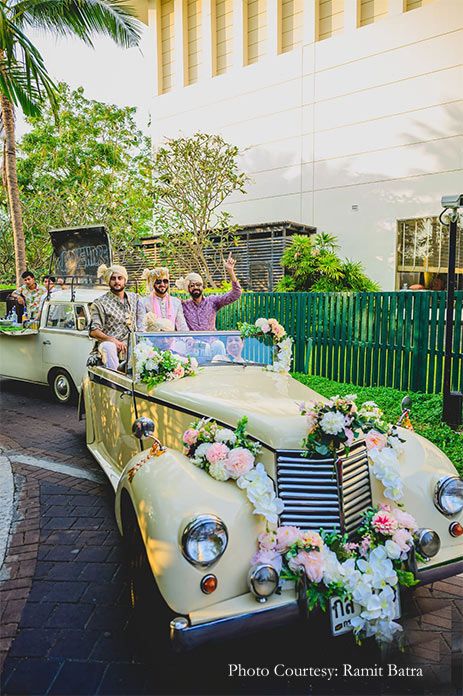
(413,4)
(330,18)
(372,11)
(255,21)
(192,40)
(223,29)
(423,254)
(166,45)
(291,19)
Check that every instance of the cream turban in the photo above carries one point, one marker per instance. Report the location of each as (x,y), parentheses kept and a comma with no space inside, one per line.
(157,273)
(183,283)
(106,272)
(154,323)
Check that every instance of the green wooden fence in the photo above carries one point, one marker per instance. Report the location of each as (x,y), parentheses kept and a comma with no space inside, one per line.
(393,339)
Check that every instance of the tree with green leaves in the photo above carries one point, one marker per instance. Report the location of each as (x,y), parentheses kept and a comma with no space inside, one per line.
(311,263)
(91,166)
(192,178)
(24,80)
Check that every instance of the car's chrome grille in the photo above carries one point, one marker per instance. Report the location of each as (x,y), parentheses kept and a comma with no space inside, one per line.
(322,492)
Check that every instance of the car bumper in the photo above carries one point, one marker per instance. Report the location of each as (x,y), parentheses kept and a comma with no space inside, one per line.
(433,574)
(186,635)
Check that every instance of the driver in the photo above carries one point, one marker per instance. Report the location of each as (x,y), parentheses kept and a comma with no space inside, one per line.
(113,315)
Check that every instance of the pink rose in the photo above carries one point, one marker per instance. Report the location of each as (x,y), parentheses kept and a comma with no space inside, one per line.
(406,520)
(286,537)
(384,522)
(375,439)
(267,541)
(268,558)
(310,538)
(403,538)
(179,372)
(216,452)
(190,436)
(239,461)
(311,562)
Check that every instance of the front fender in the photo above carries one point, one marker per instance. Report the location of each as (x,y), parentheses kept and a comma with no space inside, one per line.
(166,493)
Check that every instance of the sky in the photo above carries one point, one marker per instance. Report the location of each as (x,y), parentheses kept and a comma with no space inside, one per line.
(107,73)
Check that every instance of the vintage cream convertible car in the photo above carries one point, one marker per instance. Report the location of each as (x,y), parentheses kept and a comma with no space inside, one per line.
(199,533)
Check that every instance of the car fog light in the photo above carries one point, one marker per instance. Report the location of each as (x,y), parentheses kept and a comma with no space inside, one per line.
(456,529)
(262,581)
(427,542)
(204,540)
(209,584)
(448,495)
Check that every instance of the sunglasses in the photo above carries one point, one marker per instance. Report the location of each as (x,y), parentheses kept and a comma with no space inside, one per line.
(161,282)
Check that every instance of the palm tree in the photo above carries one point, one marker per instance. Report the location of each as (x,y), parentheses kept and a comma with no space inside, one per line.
(24,80)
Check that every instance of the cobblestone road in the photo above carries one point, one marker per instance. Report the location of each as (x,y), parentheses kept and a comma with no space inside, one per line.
(67,624)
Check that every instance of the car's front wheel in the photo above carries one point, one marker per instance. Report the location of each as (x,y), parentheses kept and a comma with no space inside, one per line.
(62,386)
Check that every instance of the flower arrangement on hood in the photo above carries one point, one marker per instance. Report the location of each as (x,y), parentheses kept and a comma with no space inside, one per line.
(231,454)
(154,366)
(281,341)
(332,428)
(367,571)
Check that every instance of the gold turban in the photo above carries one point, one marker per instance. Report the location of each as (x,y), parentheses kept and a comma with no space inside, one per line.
(183,283)
(157,273)
(106,272)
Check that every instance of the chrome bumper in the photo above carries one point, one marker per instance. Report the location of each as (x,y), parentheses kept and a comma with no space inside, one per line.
(185,637)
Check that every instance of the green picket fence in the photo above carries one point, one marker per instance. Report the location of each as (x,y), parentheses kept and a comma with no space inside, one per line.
(391,339)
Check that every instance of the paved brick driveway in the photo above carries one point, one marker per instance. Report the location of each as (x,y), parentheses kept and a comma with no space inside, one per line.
(67,624)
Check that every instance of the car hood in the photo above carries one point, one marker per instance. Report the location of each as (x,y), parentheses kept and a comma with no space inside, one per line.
(227,393)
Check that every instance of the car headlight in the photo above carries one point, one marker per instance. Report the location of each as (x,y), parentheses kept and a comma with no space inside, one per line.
(262,581)
(204,540)
(448,495)
(427,542)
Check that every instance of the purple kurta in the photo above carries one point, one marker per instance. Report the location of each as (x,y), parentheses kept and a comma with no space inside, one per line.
(201,317)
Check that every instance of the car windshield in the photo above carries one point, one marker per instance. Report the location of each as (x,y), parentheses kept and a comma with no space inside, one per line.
(213,347)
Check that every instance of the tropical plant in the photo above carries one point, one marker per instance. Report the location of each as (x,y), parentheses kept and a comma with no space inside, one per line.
(96,166)
(24,80)
(193,178)
(312,263)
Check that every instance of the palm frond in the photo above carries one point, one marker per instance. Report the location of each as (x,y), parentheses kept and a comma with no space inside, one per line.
(82,18)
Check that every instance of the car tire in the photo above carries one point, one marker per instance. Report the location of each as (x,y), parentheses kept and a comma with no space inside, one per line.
(62,386)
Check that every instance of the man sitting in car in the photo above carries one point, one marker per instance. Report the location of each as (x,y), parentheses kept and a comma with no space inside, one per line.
(113,315)
(159,301)
(29,294)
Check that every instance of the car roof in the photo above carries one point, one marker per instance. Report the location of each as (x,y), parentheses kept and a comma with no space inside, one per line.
(80,294)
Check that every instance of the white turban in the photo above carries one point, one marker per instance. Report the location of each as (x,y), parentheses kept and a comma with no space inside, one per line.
(106,272)
(183,283)
(157,273)
(154,323)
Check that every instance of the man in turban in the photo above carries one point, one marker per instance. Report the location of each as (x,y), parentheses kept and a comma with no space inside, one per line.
(200,312)
(159,301)
(113,315)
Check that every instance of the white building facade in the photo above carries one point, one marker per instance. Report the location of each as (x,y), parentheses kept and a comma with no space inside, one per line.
(349,114)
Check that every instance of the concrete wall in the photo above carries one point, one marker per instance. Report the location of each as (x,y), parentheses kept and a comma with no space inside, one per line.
(371,117)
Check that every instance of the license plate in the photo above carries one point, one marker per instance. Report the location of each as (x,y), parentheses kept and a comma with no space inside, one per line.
(342,611)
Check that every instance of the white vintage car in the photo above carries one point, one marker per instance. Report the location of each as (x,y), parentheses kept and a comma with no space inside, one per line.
(56,352)
(199,533)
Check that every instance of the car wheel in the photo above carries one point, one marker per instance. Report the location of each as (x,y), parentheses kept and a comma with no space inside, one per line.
(62,386)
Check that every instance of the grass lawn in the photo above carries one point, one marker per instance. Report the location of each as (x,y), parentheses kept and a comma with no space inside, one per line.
(425,414)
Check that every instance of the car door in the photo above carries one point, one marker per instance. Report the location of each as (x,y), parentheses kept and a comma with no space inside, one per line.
(113,414)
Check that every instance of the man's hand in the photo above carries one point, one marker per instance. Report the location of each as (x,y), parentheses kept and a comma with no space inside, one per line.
(120,345)
(230,264)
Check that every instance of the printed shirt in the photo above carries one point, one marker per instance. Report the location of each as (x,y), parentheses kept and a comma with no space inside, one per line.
(167,307)
(201,317)
(32,298)
(115,317)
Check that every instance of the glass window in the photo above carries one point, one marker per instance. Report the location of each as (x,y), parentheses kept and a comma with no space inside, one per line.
(61,316)
(81,317)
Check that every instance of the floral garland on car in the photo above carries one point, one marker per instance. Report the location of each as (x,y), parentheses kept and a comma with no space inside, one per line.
(282,342)
(332,427)
(231,454)
(367,571)
(154,366)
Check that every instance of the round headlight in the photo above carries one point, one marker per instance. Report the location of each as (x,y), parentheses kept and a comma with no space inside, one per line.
(448,495)
(262,581)
(204,540)
(427,542)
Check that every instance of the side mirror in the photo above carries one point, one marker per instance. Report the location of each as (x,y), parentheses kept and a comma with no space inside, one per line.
(406,403)
(143,427)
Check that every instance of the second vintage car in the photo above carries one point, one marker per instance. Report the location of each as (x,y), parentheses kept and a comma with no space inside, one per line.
(200,531)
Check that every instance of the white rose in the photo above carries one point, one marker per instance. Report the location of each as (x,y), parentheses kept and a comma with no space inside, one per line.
(218,471)
(225,435)
(332,423)
(393,550)
(203,449)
